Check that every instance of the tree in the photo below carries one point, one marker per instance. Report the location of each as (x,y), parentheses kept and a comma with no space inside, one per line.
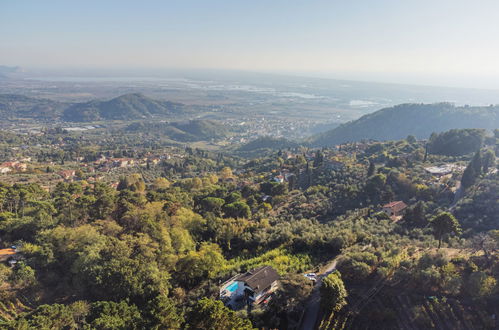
(456,142)
(212,314)
(54,316)
(476,162)
(371,169)
(65,196)
(279,189)
(212,204)
(481,285)
(161,183)
(333,292)
(488,242)
(104,200)
(226,173)
(292,182)
(198,265)
(444,223)
(354,270)
(488,160)
(237,210)
(133,182)
(23,275)
(182,240)
(294,289)
(411,139)
(164,313)
(319,159)
(79,174)
(113,315)
(469,176)
(374,187)
(287,303)
(415,216)
(233,197)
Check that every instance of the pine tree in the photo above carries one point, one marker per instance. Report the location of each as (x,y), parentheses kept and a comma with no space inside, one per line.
(333,292)
(476,162)
(371,169)
(469,176)
(444,223)
(488,161)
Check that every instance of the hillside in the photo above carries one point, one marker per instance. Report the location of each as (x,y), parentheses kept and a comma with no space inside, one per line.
(125,107)
(14,106)
(184,131)
(7,71)
(402,120)
(267,142)
(133,207)
(203,129)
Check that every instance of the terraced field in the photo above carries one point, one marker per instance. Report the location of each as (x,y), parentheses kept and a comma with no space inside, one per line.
(410,312)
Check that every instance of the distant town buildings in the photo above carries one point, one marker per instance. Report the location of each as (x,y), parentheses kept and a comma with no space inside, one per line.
(5,169)
(67,174)
(13,166)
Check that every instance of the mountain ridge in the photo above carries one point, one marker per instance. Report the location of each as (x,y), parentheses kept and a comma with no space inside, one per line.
(406,119)
(124,107)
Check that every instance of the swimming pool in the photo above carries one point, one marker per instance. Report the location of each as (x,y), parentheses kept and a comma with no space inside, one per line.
(232,287)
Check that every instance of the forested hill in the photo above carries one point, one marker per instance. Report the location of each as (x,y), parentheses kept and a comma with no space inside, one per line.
(402,120)
(125,107)
(183,131)
(14,106)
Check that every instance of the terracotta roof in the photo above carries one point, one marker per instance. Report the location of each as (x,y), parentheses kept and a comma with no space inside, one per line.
(7,252)
(396,206)
(259,278)
(9,164)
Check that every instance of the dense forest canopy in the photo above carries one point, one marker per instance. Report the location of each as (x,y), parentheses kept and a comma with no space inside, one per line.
(456,142)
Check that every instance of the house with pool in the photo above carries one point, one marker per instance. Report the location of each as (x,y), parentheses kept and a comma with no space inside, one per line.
(253,287)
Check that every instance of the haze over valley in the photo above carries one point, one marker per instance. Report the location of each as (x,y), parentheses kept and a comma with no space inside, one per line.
(309,105)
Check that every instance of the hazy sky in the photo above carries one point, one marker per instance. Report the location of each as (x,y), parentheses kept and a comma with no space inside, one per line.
(453,42)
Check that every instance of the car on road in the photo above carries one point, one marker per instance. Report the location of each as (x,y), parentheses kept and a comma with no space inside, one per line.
(311,276)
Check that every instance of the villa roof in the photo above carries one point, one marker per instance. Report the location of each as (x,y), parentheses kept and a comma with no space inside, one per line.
(5,252)
(259,278)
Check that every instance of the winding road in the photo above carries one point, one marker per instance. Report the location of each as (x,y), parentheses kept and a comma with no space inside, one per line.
(314,301)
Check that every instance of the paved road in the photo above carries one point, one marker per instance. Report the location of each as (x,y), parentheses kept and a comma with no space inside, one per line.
(314,301)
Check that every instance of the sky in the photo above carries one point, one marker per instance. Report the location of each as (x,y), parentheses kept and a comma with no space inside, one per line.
(437,42)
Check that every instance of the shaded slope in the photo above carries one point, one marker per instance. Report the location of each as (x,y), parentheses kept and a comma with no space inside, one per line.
(267,142)
(13,106)
(185,131)
(419,120)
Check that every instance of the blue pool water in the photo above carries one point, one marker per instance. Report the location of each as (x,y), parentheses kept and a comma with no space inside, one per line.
(232,287)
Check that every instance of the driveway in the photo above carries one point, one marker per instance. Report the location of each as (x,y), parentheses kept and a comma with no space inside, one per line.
(314,301)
